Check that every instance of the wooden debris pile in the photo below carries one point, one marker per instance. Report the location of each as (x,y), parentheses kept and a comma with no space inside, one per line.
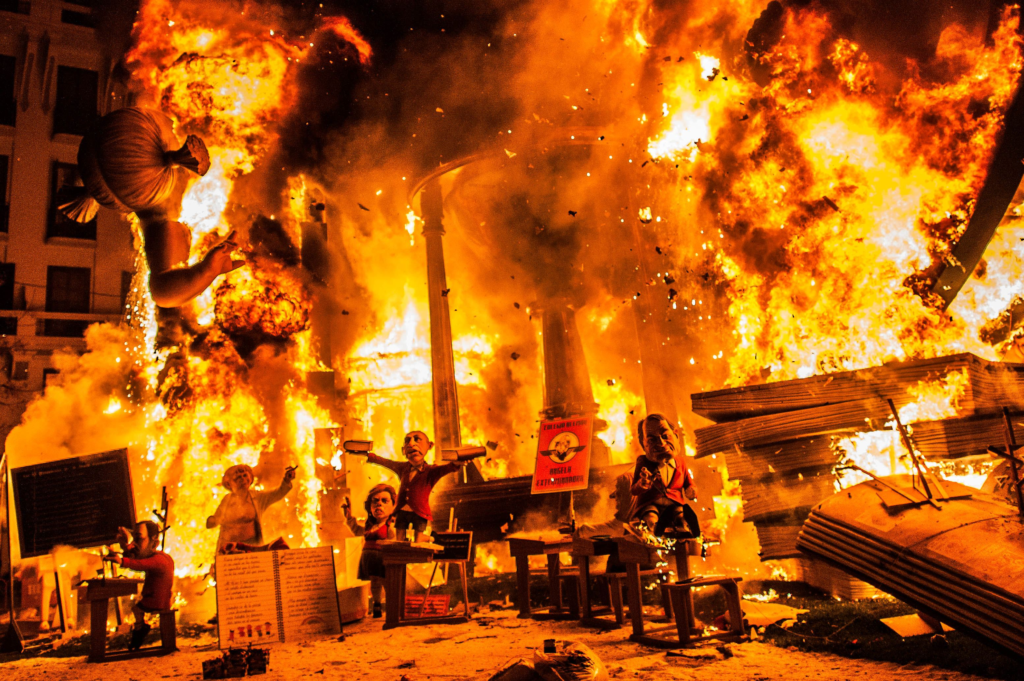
(958,558)
(778,438)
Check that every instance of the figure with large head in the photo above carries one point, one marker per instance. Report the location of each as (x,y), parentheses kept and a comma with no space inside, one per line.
(133,162)
(661,480)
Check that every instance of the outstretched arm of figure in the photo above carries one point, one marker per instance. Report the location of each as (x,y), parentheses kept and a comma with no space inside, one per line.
(171,282)
(395,467)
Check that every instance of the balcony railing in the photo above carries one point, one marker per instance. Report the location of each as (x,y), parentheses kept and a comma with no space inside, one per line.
(65,325)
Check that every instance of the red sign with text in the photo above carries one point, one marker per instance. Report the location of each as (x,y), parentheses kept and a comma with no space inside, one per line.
(563,455)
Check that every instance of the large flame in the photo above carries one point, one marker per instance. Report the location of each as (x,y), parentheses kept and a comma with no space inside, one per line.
(797,192)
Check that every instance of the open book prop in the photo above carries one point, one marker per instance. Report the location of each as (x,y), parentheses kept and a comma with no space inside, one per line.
(276,596)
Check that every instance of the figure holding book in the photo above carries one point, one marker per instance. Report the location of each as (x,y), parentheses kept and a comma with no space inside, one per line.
(379,526)
(240,514)
(416,480)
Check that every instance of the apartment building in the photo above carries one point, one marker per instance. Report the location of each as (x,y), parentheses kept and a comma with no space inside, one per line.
(56,276)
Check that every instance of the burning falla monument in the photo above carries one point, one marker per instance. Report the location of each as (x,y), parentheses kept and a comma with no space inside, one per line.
(741,237)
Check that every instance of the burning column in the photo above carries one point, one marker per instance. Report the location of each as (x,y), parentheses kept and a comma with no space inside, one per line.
(567,390)
(447,434)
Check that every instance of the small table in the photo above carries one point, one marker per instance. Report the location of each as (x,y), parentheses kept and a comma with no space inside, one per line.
(521,550)
(98,593)
(584,550)
(396,557)
(634,554)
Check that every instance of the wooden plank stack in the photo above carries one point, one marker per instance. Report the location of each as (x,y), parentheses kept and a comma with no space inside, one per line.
(961,561)
(777,438)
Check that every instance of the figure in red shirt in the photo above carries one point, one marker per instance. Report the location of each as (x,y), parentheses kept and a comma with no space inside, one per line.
(142,555)
(379,526)
(662,482)
(416,479)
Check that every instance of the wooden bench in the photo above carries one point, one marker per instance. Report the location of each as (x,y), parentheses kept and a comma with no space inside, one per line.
(396,556)
(99,593)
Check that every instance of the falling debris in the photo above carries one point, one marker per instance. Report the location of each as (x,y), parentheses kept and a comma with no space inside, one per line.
(362,206)
(831,204)
(515,356)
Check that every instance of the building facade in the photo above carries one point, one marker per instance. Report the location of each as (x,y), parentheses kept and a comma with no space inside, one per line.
(56,276)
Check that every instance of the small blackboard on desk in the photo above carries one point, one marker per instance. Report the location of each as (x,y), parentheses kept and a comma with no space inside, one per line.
(76,502)
(456,545)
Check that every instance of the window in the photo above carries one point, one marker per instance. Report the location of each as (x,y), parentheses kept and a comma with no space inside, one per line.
(5,207)
(8,325)
(69,16)
(8,110)
(50,377)
(66,174)
(76,100)
(67,290)
(16,6)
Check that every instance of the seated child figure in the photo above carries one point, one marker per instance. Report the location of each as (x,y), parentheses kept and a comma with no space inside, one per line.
(662,482)
(379,525)
(240,513)
(142,554)
(416,480)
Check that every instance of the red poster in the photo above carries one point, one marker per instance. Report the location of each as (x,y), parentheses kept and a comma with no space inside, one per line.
(563,456)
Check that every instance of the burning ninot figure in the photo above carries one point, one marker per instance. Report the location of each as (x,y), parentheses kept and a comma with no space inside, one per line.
(661,480)
(240,514)
(132,161)
(379,525)
(417,479)
(142,555)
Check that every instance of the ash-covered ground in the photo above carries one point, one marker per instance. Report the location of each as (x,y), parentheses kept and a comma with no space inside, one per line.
(475,650)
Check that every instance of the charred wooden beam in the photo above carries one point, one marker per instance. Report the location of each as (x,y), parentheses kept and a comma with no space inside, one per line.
(1004,176)
(991,385)
(494,508)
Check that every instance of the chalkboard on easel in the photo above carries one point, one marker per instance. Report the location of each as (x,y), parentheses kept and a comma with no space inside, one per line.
(456,545)
(76,502)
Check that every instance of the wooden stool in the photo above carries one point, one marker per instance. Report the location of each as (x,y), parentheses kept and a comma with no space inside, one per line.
(686,634)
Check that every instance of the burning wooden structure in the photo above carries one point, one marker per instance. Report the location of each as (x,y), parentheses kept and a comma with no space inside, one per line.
(783,441)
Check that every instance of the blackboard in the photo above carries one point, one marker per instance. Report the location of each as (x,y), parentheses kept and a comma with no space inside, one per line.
(456,545)
(76,502)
